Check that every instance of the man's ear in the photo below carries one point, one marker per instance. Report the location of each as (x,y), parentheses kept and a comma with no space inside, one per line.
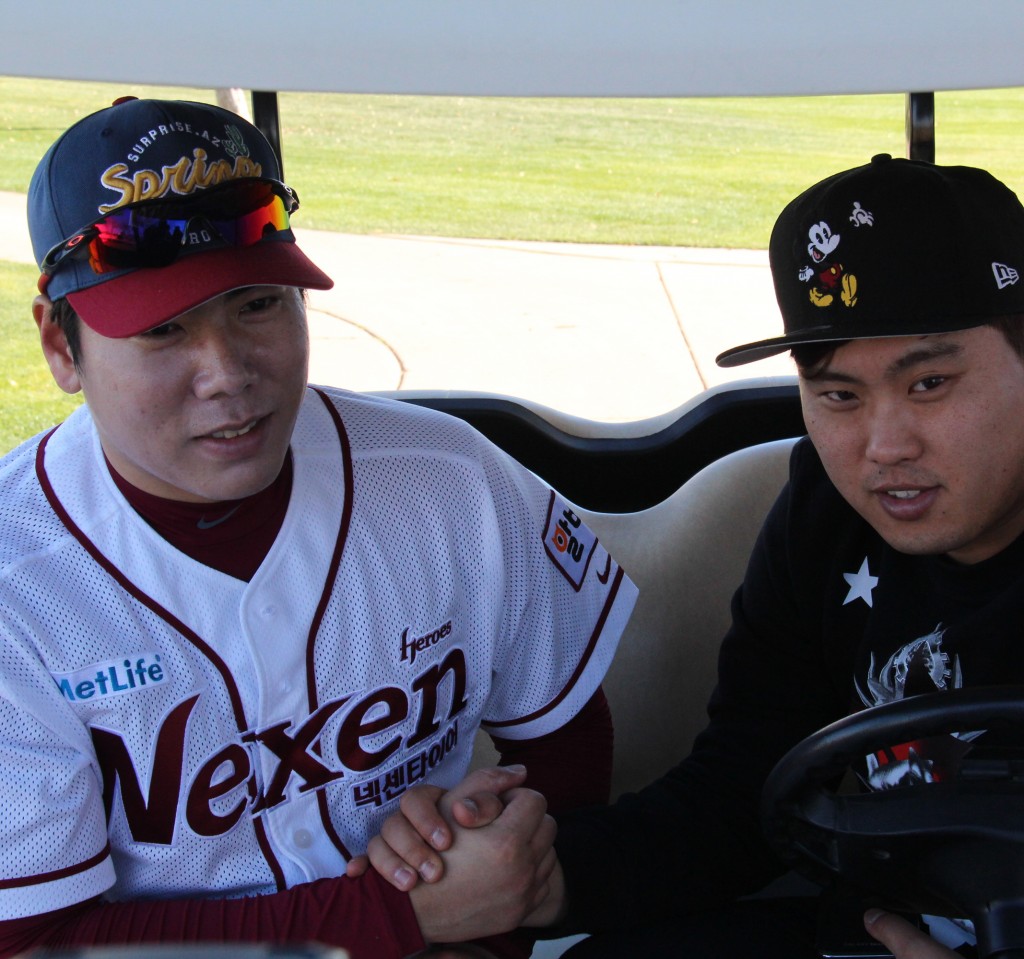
(55,346)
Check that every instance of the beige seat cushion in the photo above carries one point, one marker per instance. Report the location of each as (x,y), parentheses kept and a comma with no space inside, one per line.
(687,556)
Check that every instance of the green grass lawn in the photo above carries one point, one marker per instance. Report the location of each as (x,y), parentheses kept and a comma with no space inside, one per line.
(656,171)
(709,173)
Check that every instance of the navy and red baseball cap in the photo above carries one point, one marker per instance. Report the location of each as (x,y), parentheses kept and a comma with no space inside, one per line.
(893,248)
(148,208)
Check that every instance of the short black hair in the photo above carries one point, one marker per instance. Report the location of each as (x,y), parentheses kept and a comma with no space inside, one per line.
(1012,327)
(812,358)
(64,315)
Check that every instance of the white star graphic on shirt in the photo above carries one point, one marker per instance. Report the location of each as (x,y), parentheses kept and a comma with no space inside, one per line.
(861,584)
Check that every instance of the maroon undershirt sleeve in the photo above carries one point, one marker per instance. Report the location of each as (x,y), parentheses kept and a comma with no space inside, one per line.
(572,766)
(367,916)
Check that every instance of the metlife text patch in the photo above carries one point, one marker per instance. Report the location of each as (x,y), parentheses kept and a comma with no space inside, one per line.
(111,678)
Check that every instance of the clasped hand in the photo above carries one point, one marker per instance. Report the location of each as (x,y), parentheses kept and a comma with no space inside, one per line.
(476,861)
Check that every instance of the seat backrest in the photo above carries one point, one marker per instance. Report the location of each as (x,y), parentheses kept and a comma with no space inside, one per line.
(687,555)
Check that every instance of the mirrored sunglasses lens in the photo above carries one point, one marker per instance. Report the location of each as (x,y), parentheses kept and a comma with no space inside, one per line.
(155,234)
(134,238)
(251,227)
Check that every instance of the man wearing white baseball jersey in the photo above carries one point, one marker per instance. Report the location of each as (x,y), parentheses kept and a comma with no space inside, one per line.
(241,616)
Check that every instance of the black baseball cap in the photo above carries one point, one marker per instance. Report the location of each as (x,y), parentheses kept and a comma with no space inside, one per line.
(893,248)
(160,161)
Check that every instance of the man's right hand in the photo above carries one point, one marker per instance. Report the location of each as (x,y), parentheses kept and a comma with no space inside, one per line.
(495,874)
(411,840)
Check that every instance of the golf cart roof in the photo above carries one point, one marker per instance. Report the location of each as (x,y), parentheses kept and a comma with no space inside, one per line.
(529,47)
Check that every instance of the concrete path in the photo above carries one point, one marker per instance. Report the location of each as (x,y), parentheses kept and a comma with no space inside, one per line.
(612,333)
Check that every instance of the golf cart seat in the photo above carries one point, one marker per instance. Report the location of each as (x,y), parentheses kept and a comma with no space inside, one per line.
(687,555)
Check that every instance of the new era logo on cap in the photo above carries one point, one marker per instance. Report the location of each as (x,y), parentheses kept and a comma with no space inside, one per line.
(1005,275)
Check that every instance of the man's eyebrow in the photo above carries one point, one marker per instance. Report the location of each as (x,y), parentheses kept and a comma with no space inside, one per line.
(939,349)
(925,354)
(239,291)
(246,290)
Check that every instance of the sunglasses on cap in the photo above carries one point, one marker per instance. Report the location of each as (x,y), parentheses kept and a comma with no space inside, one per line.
(155,233)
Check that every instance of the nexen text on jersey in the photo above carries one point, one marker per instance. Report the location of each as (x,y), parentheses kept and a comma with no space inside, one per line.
(111,678)
(308,754)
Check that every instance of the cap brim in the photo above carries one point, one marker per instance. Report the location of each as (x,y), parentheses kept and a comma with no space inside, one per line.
(762,349)
(143,299)
(887,329)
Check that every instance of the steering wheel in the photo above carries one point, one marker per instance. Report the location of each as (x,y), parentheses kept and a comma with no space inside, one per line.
(952,848)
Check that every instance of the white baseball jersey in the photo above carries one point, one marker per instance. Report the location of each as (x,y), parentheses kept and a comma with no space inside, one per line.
(169,730)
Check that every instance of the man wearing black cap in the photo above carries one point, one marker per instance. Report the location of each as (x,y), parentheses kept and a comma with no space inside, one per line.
(240,616)
(892,563)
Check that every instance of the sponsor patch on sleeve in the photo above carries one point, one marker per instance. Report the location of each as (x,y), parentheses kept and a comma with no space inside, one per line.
(136,671)
(568,541)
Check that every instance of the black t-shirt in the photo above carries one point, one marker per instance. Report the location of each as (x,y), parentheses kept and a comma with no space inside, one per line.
(829,620)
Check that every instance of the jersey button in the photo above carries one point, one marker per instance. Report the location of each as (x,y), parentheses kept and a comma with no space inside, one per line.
(268,612)
(303,838)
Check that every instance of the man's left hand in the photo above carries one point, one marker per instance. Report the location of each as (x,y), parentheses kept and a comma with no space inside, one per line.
(903,939)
